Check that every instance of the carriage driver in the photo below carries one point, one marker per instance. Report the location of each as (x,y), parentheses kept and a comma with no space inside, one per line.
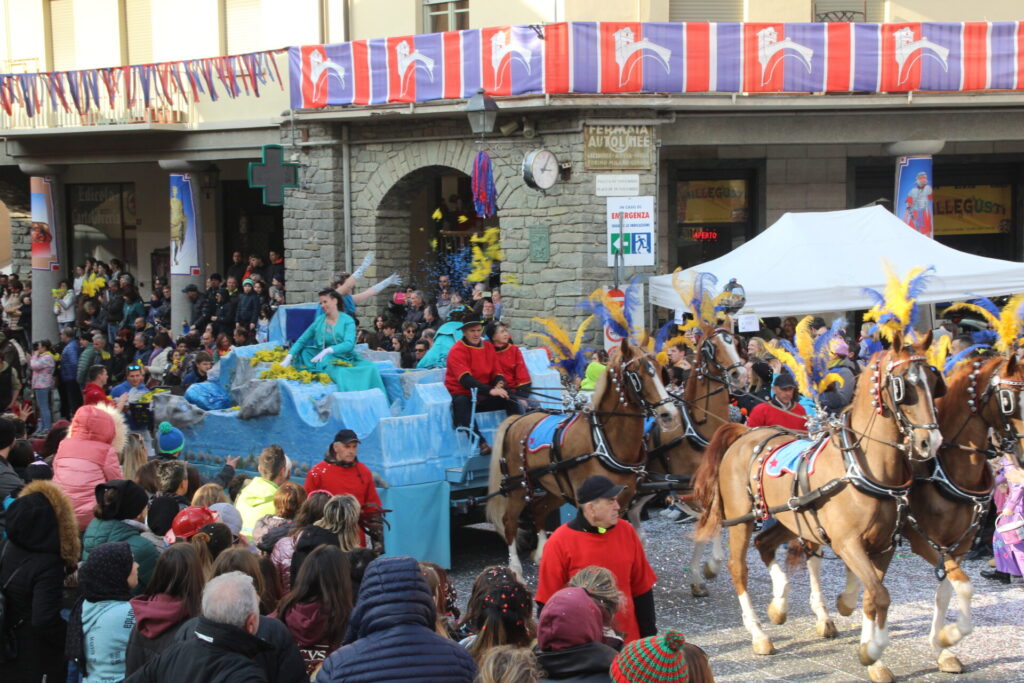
(473,364)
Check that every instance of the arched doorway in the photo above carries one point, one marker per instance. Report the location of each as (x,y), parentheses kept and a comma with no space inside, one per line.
(426,220)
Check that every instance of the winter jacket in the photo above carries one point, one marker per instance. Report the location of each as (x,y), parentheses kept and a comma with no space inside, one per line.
(110,530)
(437,355)
(255,501)
(66,304)
(355,480)
(88,456)
(158,364)
(157,618)
(93,394)
(308,540)
(588,663)
(132,310)
(69,356)
(220,654)
(106,626)
(9,483)
(42,370)
(281,558)
(280,662)
(308,626)
(42,545)
(391,636)
(88,358)
(269,530)
(114,308)
(248,311)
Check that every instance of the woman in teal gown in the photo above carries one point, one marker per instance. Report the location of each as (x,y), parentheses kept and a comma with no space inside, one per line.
(331,338)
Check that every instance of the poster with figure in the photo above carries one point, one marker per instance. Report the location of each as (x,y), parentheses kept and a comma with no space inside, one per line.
(913,203)
(43,229)
(184,228)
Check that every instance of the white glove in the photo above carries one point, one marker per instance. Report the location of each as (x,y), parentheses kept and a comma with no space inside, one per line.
(367,260)
(393,279)
(320,356)
(287,361)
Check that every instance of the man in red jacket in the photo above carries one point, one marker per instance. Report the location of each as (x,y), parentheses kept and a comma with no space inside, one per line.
(473,364)
(94,392)
(782,410)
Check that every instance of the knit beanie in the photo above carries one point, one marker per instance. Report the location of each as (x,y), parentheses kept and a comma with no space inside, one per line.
(170,440)
(570,619)
(656,658)
(120,499)
(229,516)
(162,511)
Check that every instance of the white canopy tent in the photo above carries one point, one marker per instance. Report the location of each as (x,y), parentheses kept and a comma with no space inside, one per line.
(816,262)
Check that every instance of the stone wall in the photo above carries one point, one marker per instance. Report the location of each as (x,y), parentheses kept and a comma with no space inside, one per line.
(15,195)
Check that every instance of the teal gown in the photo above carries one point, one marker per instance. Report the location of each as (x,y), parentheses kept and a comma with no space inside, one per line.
(341,338)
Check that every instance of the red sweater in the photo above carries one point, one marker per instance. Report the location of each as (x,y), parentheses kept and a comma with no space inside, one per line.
(512,366)
(770,415)
(479,362)
(94,393)
(618,549)
(356,480)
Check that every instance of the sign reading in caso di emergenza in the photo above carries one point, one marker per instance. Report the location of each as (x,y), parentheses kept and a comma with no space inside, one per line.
(973,209)
(613,148)
(43,229)
(913,202)
(712,201)
(634,216)
(184,229)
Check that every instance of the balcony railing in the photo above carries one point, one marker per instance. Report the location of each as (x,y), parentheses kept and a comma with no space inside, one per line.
(178,110)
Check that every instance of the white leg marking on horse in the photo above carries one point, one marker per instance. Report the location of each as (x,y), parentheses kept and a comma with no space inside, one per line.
(513,561)
(542,538)
(698,554)
(943,592)
(814,577)
(714,565)
(750,619)
(848,596)
(954,633)
(780,588)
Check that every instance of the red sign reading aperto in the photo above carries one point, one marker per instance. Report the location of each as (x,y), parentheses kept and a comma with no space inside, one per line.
(705,235)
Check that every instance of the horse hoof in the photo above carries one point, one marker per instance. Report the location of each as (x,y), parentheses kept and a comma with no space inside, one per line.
(827,629)
(864,654)
(949,664)
(950,635)
(764,646)
(699,590)
(843,608)
(879,673)
(777,615)
(710,569)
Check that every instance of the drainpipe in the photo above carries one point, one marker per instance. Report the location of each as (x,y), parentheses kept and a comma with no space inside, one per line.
(346,191)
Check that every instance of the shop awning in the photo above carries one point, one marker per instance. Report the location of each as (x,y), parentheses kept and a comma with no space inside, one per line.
(817,262)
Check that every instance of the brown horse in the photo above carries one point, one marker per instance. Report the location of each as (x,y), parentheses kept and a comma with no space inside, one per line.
(607,439)
(862,476)
(951,494)
(704,406)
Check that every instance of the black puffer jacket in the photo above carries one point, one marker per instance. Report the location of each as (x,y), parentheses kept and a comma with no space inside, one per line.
(587,663)
(391,634)
(309,540)
(281,661)
(221,654)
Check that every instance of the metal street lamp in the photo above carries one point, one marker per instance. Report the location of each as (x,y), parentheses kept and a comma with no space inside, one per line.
(482,112)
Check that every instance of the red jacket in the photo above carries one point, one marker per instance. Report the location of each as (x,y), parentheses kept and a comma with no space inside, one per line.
(93,394)
(512,366)
(770,415)
(479,362)
(356,480)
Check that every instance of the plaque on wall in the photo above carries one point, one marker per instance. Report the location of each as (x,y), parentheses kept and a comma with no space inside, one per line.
(616,148)
(540,243)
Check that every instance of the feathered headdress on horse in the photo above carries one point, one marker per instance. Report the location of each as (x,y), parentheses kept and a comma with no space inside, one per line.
(895,309)
(567,355)
(808,358)
(1008,322)
(706,308)
(616,316)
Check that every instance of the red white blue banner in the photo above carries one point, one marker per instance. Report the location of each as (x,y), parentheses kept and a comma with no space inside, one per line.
(634,57)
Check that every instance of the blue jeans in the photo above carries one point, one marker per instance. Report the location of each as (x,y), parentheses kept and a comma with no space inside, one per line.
(43,406)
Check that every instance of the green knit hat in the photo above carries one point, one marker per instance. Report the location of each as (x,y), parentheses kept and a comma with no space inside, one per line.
(657,658)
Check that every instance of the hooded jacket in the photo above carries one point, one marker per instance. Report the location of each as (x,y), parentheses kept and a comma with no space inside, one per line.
(306,542)
(157,618)
(391,636)
(308,625)
(145,553)
(88,456)
(255,501)
(569,636)
(106,626)
(42,546)
(280,661)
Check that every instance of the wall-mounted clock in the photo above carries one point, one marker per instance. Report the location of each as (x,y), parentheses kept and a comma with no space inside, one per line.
(540,169)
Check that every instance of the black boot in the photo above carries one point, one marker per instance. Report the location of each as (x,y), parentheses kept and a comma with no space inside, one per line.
(980,551)
(996,575)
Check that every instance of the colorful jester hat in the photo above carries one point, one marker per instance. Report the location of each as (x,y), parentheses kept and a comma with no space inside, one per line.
(566,354)
(808,359)
(895,310)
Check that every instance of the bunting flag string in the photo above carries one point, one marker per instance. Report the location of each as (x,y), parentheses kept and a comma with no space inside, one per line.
(162,82)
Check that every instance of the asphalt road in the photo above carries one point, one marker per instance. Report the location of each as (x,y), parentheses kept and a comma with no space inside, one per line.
(994,652)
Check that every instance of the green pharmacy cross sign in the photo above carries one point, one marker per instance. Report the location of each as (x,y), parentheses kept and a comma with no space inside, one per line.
(273,175)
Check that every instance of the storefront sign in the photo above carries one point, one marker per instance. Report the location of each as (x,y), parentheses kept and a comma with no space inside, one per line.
(913,202)
(184,229)
(631,229)
(973,209)
(540,243)
(44,224)
(712,201)
(617,185)
(612,148)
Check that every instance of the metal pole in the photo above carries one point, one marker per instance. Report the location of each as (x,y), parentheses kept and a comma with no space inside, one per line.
(619,257)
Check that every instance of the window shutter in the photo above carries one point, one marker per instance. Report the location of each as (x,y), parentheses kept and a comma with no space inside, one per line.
(139,26)
(244,28)
(62,34)
(705,10)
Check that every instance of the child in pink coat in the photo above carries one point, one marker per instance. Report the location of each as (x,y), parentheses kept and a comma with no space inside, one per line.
(88,456)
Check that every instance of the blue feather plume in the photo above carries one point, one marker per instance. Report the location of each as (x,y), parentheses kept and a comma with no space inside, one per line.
(634,299)
(917,285)
(663,335)
(958,358)
(607,318)
(984,337)
(988,305)
(877,298)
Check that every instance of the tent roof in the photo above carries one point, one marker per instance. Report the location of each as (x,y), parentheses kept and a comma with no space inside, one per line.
(816,262)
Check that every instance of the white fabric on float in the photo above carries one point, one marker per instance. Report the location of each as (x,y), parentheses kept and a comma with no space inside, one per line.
(813,262)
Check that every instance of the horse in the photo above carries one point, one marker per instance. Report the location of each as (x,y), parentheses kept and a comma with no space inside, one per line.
(705,401)
(851,496)
(606,438)
(951,494)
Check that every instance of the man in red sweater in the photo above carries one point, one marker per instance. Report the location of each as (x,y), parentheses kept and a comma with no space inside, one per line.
(94,392)
(598,537)
(782,410)
(473,364)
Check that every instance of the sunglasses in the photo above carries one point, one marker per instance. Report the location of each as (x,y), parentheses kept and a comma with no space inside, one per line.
(133,367)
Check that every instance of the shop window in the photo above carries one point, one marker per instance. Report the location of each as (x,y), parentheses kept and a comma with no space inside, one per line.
(712,215)
(445,15)
(103,221)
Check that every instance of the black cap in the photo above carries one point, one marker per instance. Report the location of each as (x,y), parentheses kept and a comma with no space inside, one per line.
(346,436)
(784,380)
(8,432)
(190,288)
(597,486)
(471,323)
(217,277)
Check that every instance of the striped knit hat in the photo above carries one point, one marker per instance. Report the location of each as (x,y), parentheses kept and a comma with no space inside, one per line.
(657,658)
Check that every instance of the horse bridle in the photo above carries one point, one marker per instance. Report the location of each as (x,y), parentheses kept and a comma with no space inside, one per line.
(1007,393)
(633,382)
(896,387)
(709,357)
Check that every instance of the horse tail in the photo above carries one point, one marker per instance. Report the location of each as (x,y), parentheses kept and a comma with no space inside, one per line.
(497,504)
(796,554)
(706,489)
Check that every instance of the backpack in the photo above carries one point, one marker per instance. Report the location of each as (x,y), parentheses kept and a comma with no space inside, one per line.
(8,643)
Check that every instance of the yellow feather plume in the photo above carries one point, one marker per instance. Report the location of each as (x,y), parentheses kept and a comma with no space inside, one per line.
(938,352)
(894,315)
(614,308)
(1009,330)
(974,308)
(804,338)
(580,331)
(827,381)
(790,361)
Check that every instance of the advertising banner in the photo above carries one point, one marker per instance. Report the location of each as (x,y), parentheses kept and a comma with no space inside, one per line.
(185,250)
(44,227)
(913,202)
(634,216)
(712,201)
(973,209)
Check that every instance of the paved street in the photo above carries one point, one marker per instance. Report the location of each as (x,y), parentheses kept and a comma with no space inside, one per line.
(994,652)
